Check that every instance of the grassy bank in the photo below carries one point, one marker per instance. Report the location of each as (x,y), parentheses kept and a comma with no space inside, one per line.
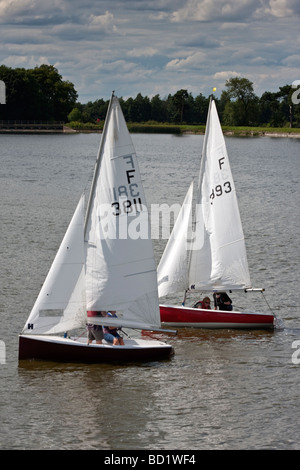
(245,131)
(155,128)
(151,128)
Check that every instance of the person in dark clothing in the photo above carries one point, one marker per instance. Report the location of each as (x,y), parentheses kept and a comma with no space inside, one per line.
(222,301)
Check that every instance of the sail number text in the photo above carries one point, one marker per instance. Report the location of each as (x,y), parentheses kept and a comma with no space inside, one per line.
(220,189)
(127,206)
(223,187)
(127,198)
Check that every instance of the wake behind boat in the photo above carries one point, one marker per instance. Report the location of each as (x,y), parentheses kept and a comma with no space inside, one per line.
(101,266)
(210,254)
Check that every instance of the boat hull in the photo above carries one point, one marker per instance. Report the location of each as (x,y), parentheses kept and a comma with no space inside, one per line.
(58,349)
(187,317)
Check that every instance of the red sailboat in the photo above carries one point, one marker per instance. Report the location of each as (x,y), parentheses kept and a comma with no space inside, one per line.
(208,254)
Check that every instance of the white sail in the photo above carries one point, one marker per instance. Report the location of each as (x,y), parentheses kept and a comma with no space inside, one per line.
(218,258)
(120,264)
(172,271)
(61,303)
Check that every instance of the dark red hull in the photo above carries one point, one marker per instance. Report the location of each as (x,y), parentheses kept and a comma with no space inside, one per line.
(67,350)
(185,317)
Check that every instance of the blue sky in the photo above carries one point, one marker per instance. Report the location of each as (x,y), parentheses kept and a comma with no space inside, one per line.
(154,46)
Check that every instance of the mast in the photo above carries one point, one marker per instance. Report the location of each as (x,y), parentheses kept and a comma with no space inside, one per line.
(97,165)
(198,194)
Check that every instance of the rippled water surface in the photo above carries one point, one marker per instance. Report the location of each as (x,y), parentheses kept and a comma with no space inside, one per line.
(222,389)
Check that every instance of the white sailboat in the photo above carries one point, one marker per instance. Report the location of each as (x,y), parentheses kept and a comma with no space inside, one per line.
(212,256)
(104,264)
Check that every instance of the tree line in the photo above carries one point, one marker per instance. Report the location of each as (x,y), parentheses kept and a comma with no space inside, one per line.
(38,94)
(41,94)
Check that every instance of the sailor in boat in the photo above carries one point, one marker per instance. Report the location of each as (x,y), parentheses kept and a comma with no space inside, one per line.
(222,301)
(111,334)
(204,304)
(95,332)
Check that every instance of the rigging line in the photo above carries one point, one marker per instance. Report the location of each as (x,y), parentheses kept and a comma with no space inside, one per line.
(191,239)
(142,272)
(268,304)
(124,332)
(79,336)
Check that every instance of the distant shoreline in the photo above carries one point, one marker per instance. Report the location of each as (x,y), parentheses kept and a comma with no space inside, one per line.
(60,128)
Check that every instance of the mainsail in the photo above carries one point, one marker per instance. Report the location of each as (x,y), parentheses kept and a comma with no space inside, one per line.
(217,259)
(120,264)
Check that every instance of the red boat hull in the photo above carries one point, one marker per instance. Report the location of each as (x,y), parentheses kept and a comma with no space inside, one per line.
(187,317)
(67,350)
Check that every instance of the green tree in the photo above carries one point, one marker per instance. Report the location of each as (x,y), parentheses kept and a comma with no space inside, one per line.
(93,111)
(224,99)
(158,109)
(56,97)
(269,108)
(37,94)
(75,115)
(189,111)
(286,106)
(16,92)
(243,109)
(295,95)
(200,109)
(180,102)
(139,109)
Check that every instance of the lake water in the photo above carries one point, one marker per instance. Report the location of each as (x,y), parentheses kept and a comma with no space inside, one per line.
(222,389)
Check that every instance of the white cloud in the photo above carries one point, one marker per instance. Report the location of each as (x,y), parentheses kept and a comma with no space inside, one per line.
(207,10)
(193,61)
(19,11)
(278,8)
(225,75)
(105,21)
(222,10)
(292,61)
(142,52)
(24,61)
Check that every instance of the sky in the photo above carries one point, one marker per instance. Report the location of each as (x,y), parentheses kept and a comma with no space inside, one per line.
(154,47)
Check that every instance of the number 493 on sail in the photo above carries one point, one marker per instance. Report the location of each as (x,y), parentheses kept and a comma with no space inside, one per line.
(218,190)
